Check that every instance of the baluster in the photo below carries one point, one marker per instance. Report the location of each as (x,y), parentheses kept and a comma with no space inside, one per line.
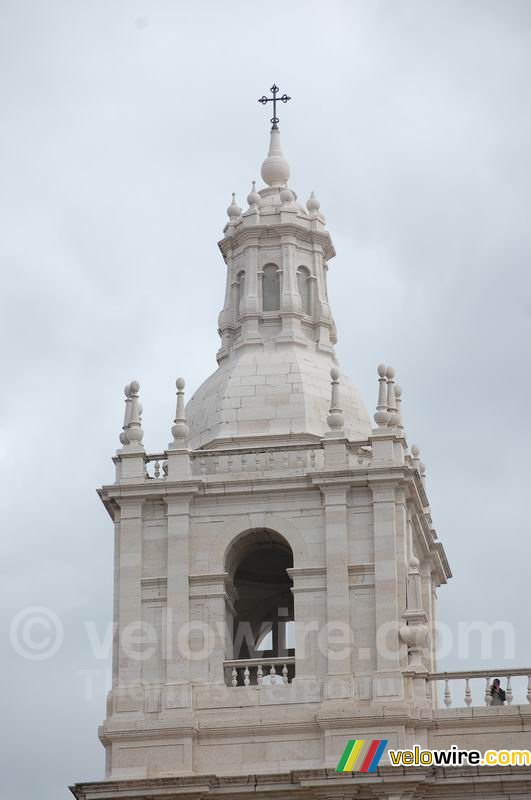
(229,464)
(246,678)
(259,675)
(257,461)
(271,460)
(234,677)
(447,693)
(468,693)
(157,469)
(285,459)
(165,468)
(313,456)
(272,671)
(509,691)
(244,462)
(529,688)
(216,464)
(285,673)
(202,465)
(488,696)
(299,459)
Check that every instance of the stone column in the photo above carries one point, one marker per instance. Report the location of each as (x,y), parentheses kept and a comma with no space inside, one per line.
(339,634)
(388,683)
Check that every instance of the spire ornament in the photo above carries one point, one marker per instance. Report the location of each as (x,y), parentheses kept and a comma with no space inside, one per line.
(382,415)
(134,431)
(415,457)
(335,417)
(124,441)
(398,398)
(180,429)
(234,211)
(275,169)
(394,418)
(265,100)
(287,196)
(253,198)
(312,204)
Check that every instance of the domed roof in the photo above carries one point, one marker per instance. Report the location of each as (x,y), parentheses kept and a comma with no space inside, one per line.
(258,394)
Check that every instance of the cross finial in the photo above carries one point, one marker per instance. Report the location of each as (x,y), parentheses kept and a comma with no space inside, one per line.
(264,100)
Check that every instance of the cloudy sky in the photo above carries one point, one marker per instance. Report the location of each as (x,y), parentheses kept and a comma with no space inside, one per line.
(125,126)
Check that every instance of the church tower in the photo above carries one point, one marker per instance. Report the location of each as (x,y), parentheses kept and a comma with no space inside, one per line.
(276,566)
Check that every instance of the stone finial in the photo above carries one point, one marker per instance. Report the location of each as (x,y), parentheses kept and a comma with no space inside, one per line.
(394,418)
(253,198)
(124,441)
(422,470)
(180,429)
(312,204)
(415,453)
(335,417)
(398,398)
(134,431)
(234,211)
(275,169)
(286,195)
(382,415)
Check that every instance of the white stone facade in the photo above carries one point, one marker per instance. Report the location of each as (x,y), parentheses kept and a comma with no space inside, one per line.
(271,459)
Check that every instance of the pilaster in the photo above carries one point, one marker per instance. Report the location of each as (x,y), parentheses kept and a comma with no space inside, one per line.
(339,636)
(388,679)
(178,603)
(129,605)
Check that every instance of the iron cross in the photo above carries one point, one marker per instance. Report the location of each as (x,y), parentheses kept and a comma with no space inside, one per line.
(284,99)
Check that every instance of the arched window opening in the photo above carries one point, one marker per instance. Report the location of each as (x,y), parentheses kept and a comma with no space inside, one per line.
(271,288)
(240,289)
(263,613)
(304,286)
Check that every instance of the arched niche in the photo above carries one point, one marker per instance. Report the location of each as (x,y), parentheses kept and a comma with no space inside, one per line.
(304,287)
(271,288)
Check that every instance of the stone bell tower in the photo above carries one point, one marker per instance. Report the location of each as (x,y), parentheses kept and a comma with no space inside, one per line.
(276,565)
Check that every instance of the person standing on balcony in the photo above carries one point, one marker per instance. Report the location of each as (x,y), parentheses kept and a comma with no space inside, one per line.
(497,693)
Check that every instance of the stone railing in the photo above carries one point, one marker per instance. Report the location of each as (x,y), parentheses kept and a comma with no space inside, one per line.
(257,460)
(156,466)
(443,683)
(259,671)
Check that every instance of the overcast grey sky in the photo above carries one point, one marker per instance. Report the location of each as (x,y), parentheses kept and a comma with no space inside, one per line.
(125,126)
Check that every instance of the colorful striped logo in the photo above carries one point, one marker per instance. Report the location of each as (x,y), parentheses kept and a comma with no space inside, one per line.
(361,755)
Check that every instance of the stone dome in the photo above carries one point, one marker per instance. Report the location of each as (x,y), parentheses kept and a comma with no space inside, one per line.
(260,394)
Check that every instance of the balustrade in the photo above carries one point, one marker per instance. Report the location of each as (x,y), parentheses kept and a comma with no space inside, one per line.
(306,458)
(259,672)
(256,460)
(444,686)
